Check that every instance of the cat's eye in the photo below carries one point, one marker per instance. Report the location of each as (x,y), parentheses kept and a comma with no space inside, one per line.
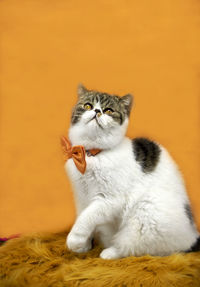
(108,111)
(88,106)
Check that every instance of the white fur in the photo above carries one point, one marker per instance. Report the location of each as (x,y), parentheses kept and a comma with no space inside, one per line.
(130,212)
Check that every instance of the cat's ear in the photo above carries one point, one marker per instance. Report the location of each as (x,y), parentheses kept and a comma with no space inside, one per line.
(81,90)
(127,101)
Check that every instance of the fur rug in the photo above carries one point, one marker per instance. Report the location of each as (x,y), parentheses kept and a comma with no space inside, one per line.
(41,260)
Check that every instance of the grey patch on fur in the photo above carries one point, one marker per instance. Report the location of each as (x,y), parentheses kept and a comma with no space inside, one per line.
(120,105)
(188,212)
(76,114)
(147,153)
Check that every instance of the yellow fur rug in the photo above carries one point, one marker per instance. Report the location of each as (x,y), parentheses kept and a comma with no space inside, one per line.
(41,260)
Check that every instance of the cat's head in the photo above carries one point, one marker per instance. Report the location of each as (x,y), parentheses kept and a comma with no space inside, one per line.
(99,120)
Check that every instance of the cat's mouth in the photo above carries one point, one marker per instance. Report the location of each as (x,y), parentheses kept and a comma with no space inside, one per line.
(95,118)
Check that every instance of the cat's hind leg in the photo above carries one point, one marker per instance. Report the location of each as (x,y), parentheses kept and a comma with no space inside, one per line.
(152,230)
(137,234)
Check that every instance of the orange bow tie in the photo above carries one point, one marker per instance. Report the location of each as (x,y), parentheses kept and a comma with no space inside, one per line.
(77,153)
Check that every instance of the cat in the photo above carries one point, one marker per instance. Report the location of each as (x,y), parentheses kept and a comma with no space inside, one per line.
(131,197)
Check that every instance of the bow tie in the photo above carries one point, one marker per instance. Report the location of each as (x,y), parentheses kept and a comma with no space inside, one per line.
(77,153)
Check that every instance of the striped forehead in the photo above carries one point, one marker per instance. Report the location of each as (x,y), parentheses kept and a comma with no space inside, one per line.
(102,99)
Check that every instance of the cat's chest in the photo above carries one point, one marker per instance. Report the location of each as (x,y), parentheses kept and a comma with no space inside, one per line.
(98,167)
(106,170)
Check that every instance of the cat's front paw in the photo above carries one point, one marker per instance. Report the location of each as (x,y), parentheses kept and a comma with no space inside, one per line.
(110,253)
(78,243)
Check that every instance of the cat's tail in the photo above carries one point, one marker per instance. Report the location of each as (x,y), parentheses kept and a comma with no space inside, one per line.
(196,246)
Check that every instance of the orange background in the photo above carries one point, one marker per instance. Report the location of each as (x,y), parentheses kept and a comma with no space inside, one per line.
(149,48)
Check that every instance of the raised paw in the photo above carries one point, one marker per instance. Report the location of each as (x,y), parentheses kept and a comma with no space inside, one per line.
(110,253)
(78,243)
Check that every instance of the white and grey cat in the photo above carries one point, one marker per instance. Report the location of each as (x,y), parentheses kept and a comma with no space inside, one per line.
(132,197)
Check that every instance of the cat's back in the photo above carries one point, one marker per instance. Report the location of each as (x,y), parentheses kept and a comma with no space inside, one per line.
(155,162)
(140,155)
(149,166)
